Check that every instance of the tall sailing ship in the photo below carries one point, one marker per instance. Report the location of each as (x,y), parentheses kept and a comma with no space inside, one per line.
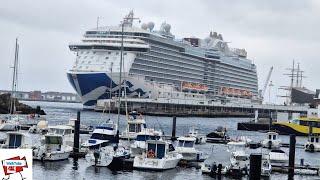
(155,59)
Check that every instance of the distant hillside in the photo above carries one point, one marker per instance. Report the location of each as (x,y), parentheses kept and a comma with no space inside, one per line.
(20,108)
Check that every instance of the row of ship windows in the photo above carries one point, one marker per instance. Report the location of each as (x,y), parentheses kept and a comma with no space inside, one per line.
(117,33)
(248,78)
(185,59)
(174,53)
(165,75)
(175,59)
(147,72)
(157,61)
(167,70)
(108,52)
(157,65)
(114,41)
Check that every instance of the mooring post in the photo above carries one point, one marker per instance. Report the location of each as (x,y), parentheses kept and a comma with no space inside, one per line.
(292,152)
(76,135)
(255,166)
(310,130)
(174,126)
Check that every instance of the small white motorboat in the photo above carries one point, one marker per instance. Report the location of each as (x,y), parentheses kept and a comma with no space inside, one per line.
(8,124)
(135,124)
(159,155)
(239,159)
(187,149)
(101,145)
(194,132)
(52,149)
(266,167)
(278,157)
(272,141)
(17,140)
(139,145)
(313,144)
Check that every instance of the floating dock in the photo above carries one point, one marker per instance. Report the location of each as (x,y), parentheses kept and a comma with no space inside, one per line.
(200,108)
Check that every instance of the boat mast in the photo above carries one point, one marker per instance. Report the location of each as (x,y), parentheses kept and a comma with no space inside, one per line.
(14,79)
(110,90)
(127,21)
(120,81)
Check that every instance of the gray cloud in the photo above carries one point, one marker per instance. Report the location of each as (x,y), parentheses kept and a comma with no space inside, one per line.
(273,32)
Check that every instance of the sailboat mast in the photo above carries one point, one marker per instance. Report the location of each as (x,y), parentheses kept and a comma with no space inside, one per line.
(14,78)
(120,80)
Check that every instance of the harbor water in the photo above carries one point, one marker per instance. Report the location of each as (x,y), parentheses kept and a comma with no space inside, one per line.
(60,113)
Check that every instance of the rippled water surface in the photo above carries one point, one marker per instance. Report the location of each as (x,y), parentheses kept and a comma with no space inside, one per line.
(60,113)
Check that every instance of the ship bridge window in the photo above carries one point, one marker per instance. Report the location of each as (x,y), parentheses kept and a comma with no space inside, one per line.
(109,52)
(125,53)
(107,57)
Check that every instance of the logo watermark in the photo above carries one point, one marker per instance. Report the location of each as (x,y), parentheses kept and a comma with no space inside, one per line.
(16,164)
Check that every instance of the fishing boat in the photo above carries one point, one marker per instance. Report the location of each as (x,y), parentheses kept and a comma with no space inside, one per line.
(187,149)
(17,140)
(299,126)
(135,124)
(272,141)
(313,144)
(139,145)
(194,132)
(278,157)
(160,155)
(52,148)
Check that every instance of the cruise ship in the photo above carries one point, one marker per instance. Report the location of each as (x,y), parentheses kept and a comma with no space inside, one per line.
(155,59)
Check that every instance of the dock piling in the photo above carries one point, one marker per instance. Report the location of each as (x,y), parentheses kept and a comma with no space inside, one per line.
(292,156)
(255,166)
(76,134)
(174,126)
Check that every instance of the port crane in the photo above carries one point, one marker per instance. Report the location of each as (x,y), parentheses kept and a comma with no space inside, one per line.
(263,91)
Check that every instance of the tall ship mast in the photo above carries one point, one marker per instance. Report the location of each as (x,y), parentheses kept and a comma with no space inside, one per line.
(154,60)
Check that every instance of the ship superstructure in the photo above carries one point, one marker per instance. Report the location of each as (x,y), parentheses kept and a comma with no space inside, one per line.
(155,59)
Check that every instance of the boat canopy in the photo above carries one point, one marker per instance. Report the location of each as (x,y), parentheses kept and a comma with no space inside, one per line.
(158,148)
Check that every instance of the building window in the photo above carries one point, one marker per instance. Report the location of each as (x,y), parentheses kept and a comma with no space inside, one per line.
(117,53)
(109,52)
(107,57)
(125,53)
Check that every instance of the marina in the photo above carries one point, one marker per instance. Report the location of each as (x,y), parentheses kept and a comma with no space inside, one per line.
(216,153)
(150,95)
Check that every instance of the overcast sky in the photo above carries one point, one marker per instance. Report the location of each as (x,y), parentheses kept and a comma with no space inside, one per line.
(273,32)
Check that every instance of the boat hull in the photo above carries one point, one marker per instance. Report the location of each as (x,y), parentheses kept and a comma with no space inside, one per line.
(291,128)
(156,164)
(92,86)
